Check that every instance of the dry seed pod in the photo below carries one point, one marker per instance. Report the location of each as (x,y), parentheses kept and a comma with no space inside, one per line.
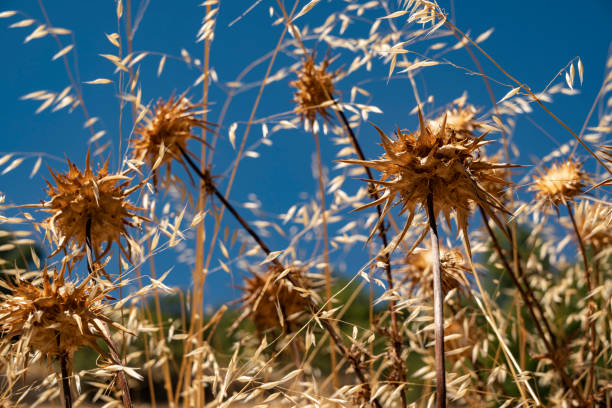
(418,270)
(437,161)
(560,183)
(100,199)
(55,318)
(461,119)
(315,89)
(275,303)
(169,124)
(594,222)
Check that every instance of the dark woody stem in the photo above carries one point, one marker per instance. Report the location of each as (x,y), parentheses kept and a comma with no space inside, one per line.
(328,326)
(88,246)
(532,305)
(396,338)
(65,379)
(438,305)
(121,378)
(590,386)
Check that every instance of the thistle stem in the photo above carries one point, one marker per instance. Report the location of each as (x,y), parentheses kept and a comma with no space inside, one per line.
(88,246)
(590,385)
(396,337)
(65,379)
(121,378)
(328,290)
(324,322)
(530,301)
(438,306)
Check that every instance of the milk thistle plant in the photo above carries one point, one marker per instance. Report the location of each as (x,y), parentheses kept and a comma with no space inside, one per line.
(371,285)
(436,168)
(90,209)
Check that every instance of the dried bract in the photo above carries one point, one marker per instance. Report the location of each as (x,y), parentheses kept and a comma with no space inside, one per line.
(461,119)
(418,270)
(56,318)
(99,199)
(272,302)
(560,183)
(594,222)
(315,89)
(165,131)
(433,160)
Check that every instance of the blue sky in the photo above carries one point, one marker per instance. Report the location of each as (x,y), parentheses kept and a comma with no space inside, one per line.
(533,40)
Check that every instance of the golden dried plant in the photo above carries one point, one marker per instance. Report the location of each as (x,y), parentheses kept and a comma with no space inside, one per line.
(314,89)
(559,184)
(164,132)
(272,301)
(594,224)
(57,317)
(436,161)
(460,118)
(83,200)
(418,270)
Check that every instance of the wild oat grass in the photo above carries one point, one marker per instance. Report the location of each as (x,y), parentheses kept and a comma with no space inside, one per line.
(350,294)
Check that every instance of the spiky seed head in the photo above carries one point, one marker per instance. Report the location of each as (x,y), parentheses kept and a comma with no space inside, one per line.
(438,161)
(495,182)
(314,89)
(164,131)
(55,317)
(418,270)
(560,183)
(594,222)
(81,196)
(461,119)
(272,302)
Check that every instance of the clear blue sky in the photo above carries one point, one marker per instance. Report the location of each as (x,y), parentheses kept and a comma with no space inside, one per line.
(533,40)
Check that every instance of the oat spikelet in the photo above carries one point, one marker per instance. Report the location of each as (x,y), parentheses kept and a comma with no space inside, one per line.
(169,124)
(433,160)
(418,270)
(81,196)
(560,183)
(315,87)
(275,303)
(55,318)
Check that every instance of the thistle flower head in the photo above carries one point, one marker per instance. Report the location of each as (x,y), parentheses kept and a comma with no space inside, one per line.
(55,317)
(433,160)
(99,199)
(272,301)
(461,119)
(314,89)
(560,183)
(165,131)
(418,270)
(594,222)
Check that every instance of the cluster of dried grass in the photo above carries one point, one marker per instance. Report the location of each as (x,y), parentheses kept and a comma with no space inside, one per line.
(529,327)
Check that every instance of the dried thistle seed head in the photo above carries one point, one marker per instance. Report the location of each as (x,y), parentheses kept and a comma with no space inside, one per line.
(495,181)
(594,221)
(433,160)
(461,119)
(55,317)
(560,183)
(463,333)
(272,303)
(315,89)
(418,270)
(165,131)
(79,198)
